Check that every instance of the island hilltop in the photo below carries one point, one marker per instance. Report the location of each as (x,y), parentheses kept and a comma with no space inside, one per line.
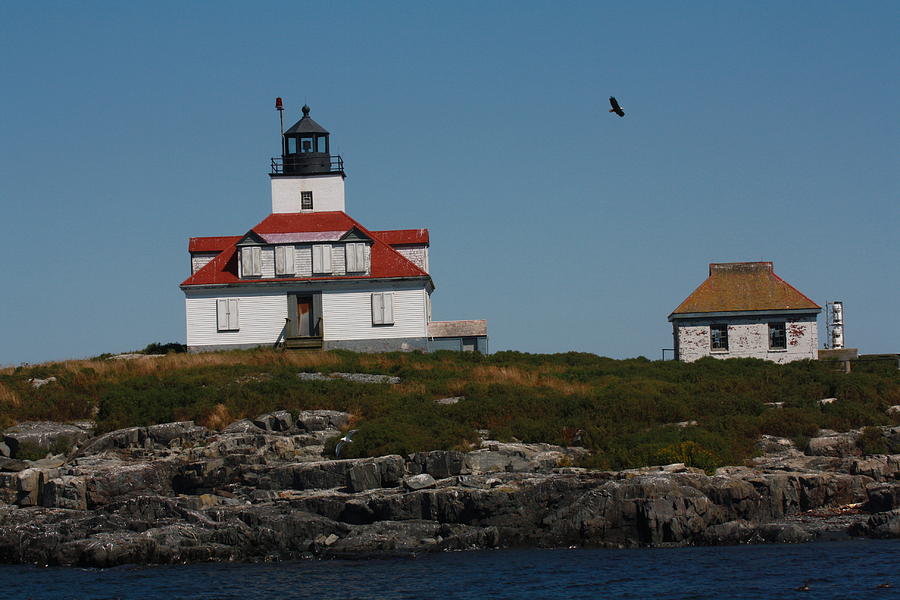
(230,456)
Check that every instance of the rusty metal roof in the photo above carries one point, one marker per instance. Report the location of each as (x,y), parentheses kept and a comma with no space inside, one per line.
(404,237)
(386,262)
(473,327)
(212,244)
(746,286)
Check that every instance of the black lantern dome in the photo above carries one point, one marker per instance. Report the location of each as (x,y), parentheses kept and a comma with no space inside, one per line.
(306,150)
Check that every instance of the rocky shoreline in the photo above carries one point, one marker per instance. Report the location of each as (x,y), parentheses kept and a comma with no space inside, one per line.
(262,490)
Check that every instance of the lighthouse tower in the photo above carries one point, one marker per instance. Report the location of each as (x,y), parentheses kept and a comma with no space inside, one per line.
(307,178)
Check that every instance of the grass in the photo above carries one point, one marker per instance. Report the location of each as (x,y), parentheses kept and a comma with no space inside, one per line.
(625,411)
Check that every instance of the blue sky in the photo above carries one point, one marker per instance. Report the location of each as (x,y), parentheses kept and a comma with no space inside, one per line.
(754,131)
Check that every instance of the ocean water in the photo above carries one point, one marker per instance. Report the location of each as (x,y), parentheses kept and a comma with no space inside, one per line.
(846,570)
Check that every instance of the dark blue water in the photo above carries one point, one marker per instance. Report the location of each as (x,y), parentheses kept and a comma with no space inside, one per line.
(844,570)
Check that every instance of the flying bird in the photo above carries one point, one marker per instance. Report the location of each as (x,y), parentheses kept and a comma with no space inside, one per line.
(343,442)
(615,106)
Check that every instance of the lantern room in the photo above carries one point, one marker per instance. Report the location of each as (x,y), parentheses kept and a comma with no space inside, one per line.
(306,149)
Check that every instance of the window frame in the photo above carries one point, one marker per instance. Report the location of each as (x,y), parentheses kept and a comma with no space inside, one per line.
(720,344)
(773,327)
(304,196)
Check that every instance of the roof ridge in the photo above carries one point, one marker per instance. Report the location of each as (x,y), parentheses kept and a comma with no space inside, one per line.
(741,289)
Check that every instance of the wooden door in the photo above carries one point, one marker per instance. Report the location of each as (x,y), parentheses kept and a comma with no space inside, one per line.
(304,316)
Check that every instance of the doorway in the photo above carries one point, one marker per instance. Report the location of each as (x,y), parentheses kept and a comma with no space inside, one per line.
(304,327)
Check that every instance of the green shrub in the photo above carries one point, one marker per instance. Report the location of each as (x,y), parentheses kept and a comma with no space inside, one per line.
(872,441)
(621,410)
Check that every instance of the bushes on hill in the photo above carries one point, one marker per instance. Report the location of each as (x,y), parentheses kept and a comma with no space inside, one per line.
(628,412)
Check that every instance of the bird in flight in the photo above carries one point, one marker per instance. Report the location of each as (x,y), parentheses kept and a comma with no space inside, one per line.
(344,441)
(615,106)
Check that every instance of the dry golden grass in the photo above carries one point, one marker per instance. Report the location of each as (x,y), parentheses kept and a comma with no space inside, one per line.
(219,418)
(413,388)
(456,387)
(378,361)
(161,365)
(9,397)
(528,378)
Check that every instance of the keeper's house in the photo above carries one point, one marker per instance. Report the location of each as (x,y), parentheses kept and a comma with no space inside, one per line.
(745,310)
(310,276)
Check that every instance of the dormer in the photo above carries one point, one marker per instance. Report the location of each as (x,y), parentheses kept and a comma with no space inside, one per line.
(307,178)
(313,254)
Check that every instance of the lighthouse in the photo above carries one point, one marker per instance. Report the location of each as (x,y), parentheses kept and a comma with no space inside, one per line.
(307,177)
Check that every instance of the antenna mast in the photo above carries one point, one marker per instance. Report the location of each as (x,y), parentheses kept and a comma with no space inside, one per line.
(279,106)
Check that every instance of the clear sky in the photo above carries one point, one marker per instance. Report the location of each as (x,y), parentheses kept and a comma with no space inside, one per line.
(754,131)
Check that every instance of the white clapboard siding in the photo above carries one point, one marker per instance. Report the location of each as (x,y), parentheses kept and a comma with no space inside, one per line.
(338,259)
(417,255)
(303,261)
(268,261)
(201,259)
(261,319)
(347,315)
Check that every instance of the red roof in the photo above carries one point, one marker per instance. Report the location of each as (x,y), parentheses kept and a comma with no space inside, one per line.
(386,262)
(734,287)
(212,244)
(403,237)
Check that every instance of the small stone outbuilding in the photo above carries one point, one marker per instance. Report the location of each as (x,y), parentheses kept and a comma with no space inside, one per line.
(745,310)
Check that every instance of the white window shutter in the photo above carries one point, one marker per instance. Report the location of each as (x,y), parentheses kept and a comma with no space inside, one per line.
(388,309)
(326,259)
(233,314)
(350,250)
(317,259)
(360,257)
(222,314)
(289,260)
(284,260)
(279,260)
(377,309)
(257,260)
(356,258)
(246,262)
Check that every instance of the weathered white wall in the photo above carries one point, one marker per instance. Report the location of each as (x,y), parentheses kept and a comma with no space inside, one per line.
(328,193)
(748,337)
(261,317)
(201,259)
(347,315)
(418,255)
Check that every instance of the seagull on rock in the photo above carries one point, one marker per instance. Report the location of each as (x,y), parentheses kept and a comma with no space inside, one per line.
(344,441)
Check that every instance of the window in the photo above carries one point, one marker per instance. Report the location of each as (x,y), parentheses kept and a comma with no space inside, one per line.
(356,257)
(251,261)
(284,260)
(321,258)
(718,337)
(382,309)
(777,336)
(306,201)
(227,314)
